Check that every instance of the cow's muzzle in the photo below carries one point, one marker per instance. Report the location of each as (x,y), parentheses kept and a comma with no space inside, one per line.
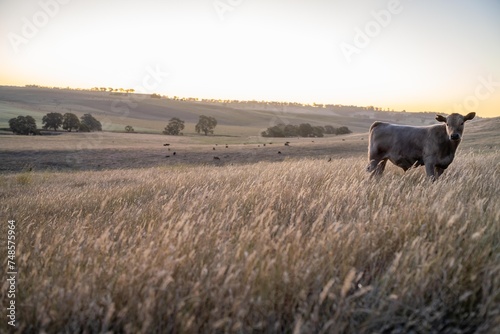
(455,136)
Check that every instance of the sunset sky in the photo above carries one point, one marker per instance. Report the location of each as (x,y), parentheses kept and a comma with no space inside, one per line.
(441,56)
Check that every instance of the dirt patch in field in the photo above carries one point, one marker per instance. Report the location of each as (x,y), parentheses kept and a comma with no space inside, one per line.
(175,154)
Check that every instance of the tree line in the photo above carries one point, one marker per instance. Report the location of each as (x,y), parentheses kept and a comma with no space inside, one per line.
(303,130)
(351,108)
(26,125)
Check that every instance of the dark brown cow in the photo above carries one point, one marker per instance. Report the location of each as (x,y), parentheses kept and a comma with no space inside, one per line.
(412,146)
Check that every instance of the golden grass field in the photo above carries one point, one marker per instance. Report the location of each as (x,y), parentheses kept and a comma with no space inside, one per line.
(298,245)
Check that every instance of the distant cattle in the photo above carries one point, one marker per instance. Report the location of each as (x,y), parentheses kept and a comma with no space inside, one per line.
(405,146)
(216,158)
(166,144)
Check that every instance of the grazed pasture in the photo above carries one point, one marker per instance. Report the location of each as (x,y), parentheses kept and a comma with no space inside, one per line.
(300,245)
(106,150)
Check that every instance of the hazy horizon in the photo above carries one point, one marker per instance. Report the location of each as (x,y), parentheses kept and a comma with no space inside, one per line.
(402,55)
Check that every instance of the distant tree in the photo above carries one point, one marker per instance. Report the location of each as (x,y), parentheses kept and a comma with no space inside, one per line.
(174,127)
(129,128)
(291,131)
(53,120)
(318,131)
(329,130)
(306,130)
(83,127)
(206,124)
(155,96)
(23,125)
(31,125)
(70,122)
(303,130)
(89,122)
(274,131)
(343,130)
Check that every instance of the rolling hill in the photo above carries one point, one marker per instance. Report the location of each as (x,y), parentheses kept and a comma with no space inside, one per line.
(239,126)
(150,115)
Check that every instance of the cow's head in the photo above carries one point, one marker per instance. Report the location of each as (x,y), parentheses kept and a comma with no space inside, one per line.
(455,124)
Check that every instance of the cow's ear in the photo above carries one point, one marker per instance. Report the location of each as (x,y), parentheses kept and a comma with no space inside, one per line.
(469,116)
(440,118)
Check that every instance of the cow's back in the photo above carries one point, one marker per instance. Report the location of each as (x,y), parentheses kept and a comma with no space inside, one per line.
(403,145)
(376,124)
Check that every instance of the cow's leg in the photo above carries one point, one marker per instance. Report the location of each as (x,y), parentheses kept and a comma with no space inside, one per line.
(377,167)
(430,170)
(438,171)
(372,165)
(375,157)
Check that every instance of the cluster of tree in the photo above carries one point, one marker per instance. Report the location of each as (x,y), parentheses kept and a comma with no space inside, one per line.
(303,130)
(25,125)
(206,124)
(69,122)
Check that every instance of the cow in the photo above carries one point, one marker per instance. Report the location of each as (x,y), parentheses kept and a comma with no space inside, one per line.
(406,146)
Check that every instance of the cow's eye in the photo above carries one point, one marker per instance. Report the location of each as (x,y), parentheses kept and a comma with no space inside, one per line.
(462,124)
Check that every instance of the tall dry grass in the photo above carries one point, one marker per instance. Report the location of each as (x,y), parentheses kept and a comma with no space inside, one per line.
(296,246)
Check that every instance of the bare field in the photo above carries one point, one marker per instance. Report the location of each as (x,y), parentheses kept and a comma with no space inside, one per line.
(107,150)
(293,246)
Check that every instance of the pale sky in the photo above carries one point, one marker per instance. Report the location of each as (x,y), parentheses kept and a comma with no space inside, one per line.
(425,55)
